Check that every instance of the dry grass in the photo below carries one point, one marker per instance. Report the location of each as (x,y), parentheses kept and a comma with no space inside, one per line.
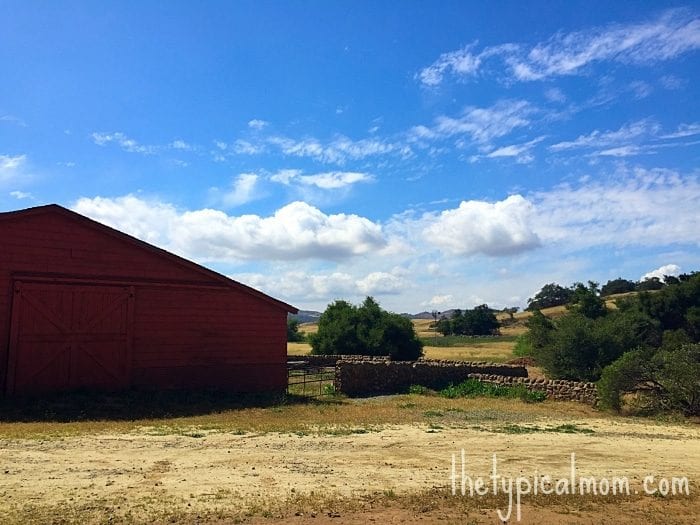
(320,415)
(496,351)
(298,349)
(437,505)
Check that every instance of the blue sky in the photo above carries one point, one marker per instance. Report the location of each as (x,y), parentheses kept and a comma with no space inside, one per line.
(432,154)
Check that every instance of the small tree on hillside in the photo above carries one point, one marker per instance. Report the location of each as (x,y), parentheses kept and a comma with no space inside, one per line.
(616,286)
(550,295)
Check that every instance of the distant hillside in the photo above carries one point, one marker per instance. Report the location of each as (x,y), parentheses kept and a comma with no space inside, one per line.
(306,316)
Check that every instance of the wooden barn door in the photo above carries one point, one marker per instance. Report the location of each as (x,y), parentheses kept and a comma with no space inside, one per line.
(67,336)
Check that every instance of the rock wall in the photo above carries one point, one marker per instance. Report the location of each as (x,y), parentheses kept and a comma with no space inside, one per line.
(366,377)
(329,360)
(554,388)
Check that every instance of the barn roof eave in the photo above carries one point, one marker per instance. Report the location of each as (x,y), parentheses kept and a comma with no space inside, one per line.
(181,261)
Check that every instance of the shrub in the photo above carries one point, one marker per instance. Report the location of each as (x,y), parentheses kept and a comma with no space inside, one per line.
(658,380)
(475,388)
(523,346)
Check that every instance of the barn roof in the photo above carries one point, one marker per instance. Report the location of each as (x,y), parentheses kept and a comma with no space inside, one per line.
(175,259)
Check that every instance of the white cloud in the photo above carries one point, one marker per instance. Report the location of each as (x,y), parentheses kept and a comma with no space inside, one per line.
(257,124)
(481,124)
(521,152)
(242,190)
(672,82)
(633,208)
(340,150)
(667,37)
(11,168)
(381,283)
(600,139)
(670,35)
(331,180)
(124,142)
(494,229)
(640,89)
(684,130)
(21,195)
(660,273)
(296,231)
(555,95)
(461,63)
(13,120)
(181,145)
(439,300)
(621,151)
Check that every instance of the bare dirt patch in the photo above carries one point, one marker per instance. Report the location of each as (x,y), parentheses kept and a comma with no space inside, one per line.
(392,473)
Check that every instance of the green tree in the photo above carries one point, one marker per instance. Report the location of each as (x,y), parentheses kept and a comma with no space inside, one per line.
(550,295)
(616,286)
(293,334)
(586,300)
(480,321)
(344,329)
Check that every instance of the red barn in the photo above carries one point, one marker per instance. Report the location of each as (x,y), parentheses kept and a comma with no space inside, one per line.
(84,305)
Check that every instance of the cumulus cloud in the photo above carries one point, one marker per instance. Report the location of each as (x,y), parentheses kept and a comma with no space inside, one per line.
(296,231)
(660,273)
(306,285)
(242,190)
(381,283)
(439,300)
(494,229)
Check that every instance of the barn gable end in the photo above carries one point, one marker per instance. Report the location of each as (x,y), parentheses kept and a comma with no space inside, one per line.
(84,305)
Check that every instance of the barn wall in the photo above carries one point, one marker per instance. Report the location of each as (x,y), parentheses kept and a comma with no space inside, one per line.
(183,334)
(189,337)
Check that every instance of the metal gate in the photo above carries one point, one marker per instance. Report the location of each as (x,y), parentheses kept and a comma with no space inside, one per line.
(67,336)
(310,381)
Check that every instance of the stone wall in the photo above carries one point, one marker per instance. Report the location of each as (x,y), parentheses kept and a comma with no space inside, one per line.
(366,377)
(554,388)
(329,360)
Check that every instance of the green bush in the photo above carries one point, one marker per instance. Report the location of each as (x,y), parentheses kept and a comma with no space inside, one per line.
(654,380)
(344,329)
(523,346)
(475,388)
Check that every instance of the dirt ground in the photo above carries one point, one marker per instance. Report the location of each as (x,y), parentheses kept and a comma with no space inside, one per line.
(212,476)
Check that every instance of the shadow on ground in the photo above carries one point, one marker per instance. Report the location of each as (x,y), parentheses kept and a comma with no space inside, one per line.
(138,404)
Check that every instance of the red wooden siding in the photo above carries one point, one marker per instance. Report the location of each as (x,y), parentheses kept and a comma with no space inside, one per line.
(67,336)
(83,305)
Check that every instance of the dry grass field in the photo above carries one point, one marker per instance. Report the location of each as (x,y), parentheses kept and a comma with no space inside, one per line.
(338,460)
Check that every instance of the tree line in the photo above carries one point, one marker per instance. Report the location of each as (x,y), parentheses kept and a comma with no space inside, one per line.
(643,352)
